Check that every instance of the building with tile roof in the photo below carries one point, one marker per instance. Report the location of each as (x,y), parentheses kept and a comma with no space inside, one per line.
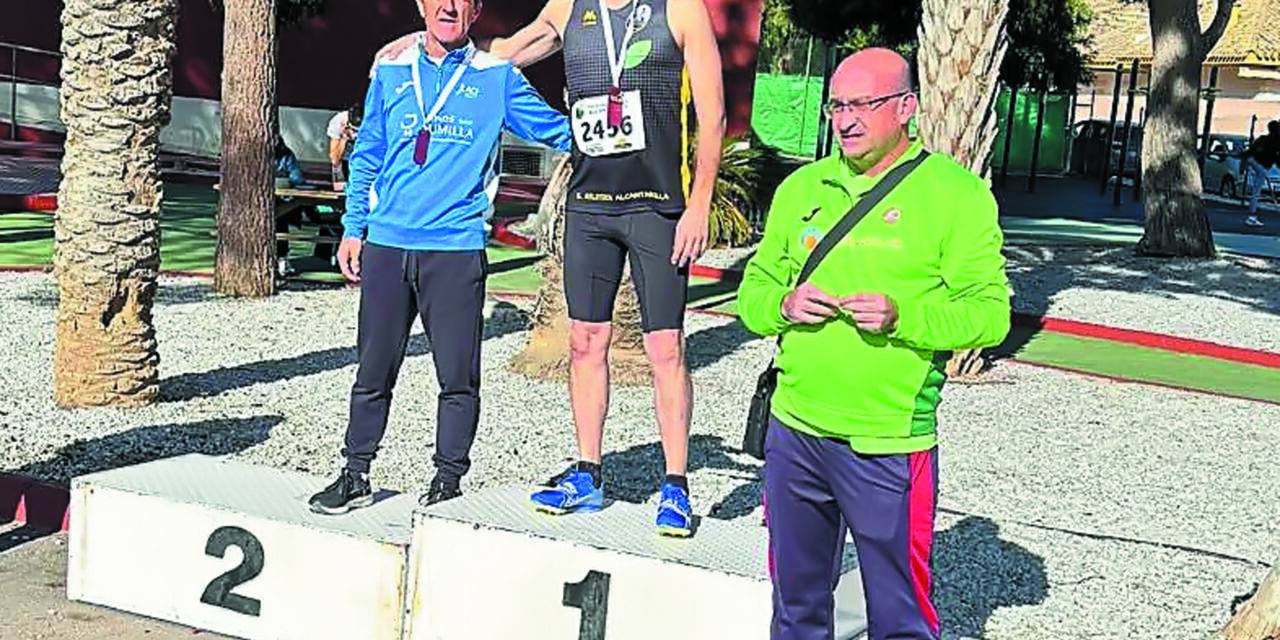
(1247,59)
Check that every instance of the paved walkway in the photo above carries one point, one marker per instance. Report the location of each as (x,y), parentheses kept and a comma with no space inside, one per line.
(1073,210)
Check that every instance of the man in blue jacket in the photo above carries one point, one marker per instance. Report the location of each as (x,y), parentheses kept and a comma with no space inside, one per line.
(428,147)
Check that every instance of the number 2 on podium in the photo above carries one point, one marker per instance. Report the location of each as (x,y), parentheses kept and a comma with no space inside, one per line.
(591,595)
(218,593)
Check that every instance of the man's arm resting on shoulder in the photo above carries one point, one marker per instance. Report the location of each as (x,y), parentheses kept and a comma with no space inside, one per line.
(366,162)
(767,278)
(976,313)
(529,116)
(535,41)
(538,39)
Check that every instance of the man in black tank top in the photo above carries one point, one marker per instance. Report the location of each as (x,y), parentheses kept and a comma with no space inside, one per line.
(630,197)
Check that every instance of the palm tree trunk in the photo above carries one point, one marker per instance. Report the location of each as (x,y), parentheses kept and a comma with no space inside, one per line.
(115,98)
(1172,189)
(246,254)
(546,356)
(962,43)
(1259,619)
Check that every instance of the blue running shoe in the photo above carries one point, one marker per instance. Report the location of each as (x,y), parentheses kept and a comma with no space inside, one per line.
(571,491)
(674,514)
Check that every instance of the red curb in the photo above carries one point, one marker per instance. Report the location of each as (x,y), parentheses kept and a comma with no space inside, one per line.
(1148,339)
(714,273)
(506,236)
(1163,342)
(1089,330)
(29,501)
(43,202)
(37,202)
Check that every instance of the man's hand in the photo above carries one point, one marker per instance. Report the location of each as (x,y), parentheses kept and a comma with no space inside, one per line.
(872,312)
(339,186)
(691,236)
(809,305)
(349,258)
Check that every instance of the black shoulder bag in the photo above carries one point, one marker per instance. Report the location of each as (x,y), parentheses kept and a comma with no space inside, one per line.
(762,401)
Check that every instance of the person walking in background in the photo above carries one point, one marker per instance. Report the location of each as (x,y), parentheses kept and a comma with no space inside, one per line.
(1261,156)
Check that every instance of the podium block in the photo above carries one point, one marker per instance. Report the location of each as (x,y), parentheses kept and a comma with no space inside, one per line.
(232,548)
(486,566)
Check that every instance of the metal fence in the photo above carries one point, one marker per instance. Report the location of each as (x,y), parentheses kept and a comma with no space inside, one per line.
(13,53)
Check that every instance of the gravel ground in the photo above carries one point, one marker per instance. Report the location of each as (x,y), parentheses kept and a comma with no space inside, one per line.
(1133,512)
(727,257)
(1233,301)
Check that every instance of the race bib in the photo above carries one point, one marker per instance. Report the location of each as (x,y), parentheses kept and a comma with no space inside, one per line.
(594,133)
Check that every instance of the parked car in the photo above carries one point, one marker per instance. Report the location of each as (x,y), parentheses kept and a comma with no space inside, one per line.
(1090,141)
(1222,167)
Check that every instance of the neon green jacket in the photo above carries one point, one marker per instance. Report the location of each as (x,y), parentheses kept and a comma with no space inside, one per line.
(932,246)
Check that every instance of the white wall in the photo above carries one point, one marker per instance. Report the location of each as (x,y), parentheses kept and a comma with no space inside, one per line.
(194,128)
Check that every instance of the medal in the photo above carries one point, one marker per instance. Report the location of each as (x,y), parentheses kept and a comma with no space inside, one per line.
(423,141)
(420,147)
(615,107)
(617,56)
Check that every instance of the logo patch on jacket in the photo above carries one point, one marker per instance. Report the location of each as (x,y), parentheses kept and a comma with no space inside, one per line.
(589,18)
(809,238)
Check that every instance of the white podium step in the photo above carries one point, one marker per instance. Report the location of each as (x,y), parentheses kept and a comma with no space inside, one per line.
(486,566)
(232,547)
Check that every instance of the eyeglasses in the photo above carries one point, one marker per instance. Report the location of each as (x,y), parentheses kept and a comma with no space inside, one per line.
(856,107)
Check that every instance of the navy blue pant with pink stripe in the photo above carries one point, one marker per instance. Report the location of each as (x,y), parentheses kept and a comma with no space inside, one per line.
(814,487)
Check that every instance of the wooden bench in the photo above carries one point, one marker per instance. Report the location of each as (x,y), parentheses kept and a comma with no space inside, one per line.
(288,200)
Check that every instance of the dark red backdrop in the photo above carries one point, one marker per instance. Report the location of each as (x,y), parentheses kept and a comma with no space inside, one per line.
(324,61)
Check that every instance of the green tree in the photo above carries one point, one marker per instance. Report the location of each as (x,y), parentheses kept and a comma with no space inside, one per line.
(1046,44)
(245,259)
(778,36)
(1045,37)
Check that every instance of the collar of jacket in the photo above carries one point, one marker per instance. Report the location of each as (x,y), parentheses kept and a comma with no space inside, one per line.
(837,173)
(455,55)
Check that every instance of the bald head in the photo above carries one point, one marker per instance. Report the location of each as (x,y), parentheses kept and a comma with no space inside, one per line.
(871,105)
(881,70)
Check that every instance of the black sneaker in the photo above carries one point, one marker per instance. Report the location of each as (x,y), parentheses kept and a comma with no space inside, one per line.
(350,491)
(439,491)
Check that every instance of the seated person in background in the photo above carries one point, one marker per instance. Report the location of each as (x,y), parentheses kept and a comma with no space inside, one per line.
(288,175)
(342,137)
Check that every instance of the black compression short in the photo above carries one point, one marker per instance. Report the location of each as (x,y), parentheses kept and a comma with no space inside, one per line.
(594,252)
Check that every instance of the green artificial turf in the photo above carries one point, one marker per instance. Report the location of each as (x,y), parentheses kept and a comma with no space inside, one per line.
(1144,364)
(188,244)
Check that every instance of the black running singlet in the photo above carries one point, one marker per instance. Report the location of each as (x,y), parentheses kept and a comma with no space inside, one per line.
(612,172)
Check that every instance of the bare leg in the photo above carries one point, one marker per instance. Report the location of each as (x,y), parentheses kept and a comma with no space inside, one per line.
(589,384)
(673,395)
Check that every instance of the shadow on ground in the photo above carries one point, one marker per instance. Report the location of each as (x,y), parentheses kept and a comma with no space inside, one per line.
(634,475)
(977,573)
(147,444)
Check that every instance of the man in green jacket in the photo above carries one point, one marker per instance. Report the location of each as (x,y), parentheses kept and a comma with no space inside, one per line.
(865,341)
